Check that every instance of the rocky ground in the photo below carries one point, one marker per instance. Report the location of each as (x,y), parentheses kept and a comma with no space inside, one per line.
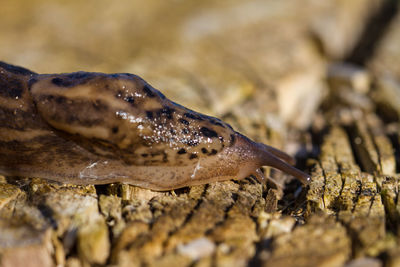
(318,79)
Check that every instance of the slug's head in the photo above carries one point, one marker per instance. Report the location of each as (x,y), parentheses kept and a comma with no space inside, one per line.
(250,156)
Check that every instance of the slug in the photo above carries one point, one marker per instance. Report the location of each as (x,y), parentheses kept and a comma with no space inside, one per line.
(95,128)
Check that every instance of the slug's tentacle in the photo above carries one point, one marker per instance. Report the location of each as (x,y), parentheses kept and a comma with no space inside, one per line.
(278,153)
(269,159)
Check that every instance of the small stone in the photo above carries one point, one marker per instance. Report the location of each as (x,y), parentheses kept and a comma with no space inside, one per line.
(93,242)
(25,247)
(197,249)
(280,226)
(355,77)
(370,262)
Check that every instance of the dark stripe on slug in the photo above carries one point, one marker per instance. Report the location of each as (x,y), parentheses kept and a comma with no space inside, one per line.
(11,88)
(58,99)
(183,121)
(15,92)
(149,114)
(87,122)
(85,112)
(40,150)
(99,105)
(213,152)
(232,141)
(193,116)
(166,111)
(192,156)
(151,92)
(78,75)
(165,157)
(129,99)
(161,95)
(181,151)
(124,73)
(204,150)
(22,120)
(217,123)
(15,69)
(72,79)
(31,82)
(60,82)
(148,91)
(208,133)
(71,106)
(155,153)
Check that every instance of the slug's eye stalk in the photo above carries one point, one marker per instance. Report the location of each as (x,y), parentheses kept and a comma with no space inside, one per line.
(270,158)
(262,155)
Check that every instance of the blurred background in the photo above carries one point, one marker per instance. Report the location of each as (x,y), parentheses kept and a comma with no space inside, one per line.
(270,59)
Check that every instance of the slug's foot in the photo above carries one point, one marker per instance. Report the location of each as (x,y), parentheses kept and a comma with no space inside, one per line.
(260,176)
(262,179)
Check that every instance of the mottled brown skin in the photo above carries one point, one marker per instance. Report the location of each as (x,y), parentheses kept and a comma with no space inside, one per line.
(95,128)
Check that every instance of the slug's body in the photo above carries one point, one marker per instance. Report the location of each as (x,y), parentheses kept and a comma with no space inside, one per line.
(94,128)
